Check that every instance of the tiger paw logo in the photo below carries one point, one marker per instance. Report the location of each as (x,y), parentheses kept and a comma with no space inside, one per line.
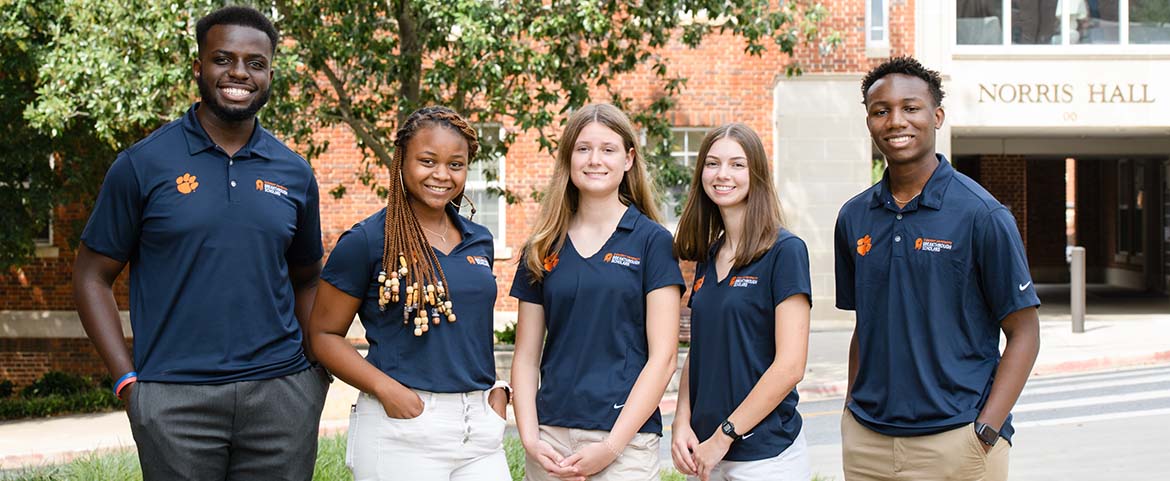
(186,183)
(478,261)
(864,244)
(551,261)
(918,244)
(698,284)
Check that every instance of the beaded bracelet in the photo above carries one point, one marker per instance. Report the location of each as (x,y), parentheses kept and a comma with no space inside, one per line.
(126,380)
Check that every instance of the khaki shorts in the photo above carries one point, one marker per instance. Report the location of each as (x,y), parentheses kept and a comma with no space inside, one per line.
(951,455)
(638,462)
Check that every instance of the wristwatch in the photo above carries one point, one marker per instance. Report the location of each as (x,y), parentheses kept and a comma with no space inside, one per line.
(986,433)
(729,430)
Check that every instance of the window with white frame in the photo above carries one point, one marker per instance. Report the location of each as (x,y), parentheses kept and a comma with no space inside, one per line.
(685,152)
(485,177)
(877,23)
(1062,22)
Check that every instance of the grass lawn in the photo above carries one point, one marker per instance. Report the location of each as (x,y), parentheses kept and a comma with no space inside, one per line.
(123,465)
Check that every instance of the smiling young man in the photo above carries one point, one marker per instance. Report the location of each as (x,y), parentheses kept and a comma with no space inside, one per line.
(219,223)
(934,267)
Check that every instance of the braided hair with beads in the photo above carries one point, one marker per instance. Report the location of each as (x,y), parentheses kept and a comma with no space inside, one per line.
(410,269)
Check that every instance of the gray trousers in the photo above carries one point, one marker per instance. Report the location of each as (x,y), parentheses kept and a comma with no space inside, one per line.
(247,430)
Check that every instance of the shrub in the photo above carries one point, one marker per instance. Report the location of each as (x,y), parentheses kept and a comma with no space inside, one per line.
(55,383)
(507,335)
(5,389)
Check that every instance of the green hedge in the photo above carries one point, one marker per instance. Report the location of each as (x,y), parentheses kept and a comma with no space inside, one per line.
(58,393)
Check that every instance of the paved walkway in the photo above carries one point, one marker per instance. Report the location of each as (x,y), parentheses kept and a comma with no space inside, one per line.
(1109,341)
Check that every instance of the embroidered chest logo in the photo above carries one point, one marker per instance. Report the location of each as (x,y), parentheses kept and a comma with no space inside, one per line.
(479,260)
(622,259)
(932,245)
(698,284)
(864,244)
(743,281)
(186,184)
(551,262)
(271,188)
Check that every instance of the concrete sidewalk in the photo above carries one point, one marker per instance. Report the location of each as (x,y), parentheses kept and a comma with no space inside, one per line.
(1107,343)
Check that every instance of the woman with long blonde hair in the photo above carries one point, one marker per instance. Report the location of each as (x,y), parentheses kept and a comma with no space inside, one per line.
(736,416)
(598,277)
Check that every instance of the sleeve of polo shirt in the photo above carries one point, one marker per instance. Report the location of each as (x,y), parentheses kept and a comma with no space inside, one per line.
(116,220)
(790,274)
(306,245)
(348,268)
(699,270)
(1003,265)
(661,267)
(522,286)
(844,269)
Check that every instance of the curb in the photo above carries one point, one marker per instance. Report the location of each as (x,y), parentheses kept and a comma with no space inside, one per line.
(1101,363)
(829,390)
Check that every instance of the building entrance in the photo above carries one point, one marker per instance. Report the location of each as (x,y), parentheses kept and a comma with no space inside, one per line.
(1115,205)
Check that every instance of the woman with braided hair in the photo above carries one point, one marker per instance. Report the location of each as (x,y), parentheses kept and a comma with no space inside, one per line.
(599,278)
(420,278)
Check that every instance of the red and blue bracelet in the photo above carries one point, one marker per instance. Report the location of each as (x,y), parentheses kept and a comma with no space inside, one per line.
(126,380)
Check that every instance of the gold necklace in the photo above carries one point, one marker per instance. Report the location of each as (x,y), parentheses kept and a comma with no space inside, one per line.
(443,236)
(904,202)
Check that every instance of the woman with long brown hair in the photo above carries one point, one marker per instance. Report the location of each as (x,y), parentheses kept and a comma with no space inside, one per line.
(736,416)
(420,278)
(597,276)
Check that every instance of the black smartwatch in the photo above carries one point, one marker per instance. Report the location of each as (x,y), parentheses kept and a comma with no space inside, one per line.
(986,433)
(729,430)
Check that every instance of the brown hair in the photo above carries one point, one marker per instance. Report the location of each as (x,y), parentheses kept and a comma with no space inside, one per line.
(406,254)
(561,197)
(701,223)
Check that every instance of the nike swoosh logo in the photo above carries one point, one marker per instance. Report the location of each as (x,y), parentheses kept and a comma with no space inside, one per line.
(748,435)
(1025,286)
(619,406)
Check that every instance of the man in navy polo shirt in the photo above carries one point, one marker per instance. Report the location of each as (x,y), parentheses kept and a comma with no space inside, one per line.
(219,223)
(934,267)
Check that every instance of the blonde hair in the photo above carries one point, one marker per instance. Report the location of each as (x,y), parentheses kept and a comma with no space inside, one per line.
(561,198)
(701,223)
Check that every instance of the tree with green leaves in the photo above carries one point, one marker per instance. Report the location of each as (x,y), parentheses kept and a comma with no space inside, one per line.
(124,67)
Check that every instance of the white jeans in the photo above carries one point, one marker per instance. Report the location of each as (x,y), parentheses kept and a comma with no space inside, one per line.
(458,437)
(790,465)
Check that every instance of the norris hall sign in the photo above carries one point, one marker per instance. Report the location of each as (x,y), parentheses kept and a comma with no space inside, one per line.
(1065,93)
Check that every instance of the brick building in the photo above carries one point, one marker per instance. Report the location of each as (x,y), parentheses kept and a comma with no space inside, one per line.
(1061,116)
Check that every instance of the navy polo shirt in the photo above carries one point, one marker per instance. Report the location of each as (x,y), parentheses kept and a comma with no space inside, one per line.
(209,238)
(930,285)
(595,313)
(733,341)
(450,357)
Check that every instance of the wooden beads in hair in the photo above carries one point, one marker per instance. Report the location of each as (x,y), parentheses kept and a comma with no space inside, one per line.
(410,270)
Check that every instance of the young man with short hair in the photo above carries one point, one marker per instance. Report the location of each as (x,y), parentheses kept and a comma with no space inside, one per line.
(219,222)
(934,267)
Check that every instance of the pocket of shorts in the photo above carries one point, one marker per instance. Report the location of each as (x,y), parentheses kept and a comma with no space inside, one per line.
(426,402)
(487,406)
(975,441)
(350,438)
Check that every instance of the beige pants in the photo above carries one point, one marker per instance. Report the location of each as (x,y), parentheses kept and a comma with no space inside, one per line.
(638,462)
(951,455)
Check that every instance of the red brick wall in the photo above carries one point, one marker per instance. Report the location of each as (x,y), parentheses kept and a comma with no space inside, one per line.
(1046,204)
(1006,178)
(24,359)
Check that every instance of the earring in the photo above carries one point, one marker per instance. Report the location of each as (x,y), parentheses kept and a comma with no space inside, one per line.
(463,197)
